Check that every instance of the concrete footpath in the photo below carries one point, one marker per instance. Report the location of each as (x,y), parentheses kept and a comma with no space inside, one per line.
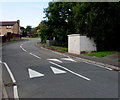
(3,93)
(110,61)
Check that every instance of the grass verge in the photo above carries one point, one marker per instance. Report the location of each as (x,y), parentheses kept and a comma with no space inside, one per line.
(101,54)
(60,48)
(14,40)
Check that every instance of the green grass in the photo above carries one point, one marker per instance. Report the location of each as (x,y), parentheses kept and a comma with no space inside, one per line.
(101,54)
(119,60)
(60,48)
(13,40)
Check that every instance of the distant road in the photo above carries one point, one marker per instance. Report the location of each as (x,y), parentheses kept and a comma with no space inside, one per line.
(41,73)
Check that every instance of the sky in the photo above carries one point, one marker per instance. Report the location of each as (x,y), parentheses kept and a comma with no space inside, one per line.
(29,12)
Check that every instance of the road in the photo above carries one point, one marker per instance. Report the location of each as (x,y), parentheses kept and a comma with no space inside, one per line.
(41,73)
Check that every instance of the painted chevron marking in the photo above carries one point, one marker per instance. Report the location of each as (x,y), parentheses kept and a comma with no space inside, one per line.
(55,60)
(69,59)
(57,71)
(33,73)
(70,71)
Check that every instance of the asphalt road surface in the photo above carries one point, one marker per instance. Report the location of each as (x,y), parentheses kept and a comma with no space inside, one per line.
(41,73)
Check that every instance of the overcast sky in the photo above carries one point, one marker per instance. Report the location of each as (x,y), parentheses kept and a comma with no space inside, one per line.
(29,13)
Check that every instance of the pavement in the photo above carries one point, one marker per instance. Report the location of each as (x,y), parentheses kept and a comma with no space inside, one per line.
(3,93)
(110,61)
(42,73)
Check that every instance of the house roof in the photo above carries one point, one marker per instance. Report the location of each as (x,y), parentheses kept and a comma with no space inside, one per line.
(8,23)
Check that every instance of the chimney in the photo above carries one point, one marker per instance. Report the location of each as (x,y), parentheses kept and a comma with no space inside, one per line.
(18,21)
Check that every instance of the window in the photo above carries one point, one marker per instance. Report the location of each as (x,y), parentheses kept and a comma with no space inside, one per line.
(8,27)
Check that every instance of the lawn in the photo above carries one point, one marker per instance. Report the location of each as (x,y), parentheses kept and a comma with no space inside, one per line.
(101,54)
(60,48)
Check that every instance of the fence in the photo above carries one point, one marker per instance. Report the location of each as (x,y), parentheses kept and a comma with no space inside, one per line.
(9,37)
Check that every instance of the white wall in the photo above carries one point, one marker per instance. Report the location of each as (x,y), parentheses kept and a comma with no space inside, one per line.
(74,43)
(78,44)
(87,44)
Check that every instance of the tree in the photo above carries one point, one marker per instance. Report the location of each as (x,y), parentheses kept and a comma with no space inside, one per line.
(43,31)
(99,21)
(23,33)
(59,20)
(28,29)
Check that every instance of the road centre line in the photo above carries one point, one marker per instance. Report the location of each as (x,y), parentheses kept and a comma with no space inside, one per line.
(29,53)
(14,81)
(35,55)
(22,48)
(70,71)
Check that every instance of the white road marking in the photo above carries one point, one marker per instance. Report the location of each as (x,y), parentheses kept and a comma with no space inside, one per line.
(99,65)
(69,59)
(22,48)
(29,53)
(33,73)
(57,71)
(35,55)
(94,63)
(14,81)
(82,59)
(9,71)
(71,71)
(16,93)
(108,68)
(55,60)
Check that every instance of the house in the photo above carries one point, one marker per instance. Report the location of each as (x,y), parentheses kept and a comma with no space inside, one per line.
(8,27)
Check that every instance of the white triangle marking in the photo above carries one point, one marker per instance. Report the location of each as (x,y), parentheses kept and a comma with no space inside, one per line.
(57,71)
(33,73)
(70,59)
(55,60)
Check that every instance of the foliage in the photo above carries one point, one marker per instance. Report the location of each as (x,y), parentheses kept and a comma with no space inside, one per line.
(24,34)
(59,21)
(99,21)
(28,31)
(43,32)
(101,54)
